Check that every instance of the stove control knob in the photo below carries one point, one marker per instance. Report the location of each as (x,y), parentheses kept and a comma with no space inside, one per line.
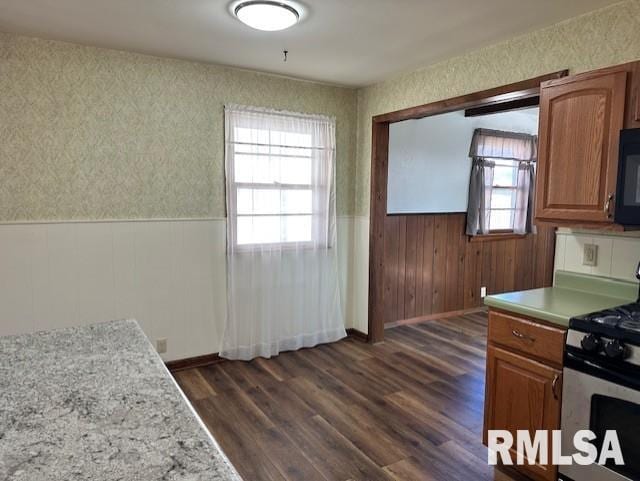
(616,350)
(591,343)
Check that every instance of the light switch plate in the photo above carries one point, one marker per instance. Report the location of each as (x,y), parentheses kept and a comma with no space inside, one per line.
(483,291)
(161,345)
(590,255)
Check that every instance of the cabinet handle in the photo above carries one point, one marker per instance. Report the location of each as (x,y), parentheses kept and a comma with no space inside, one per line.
(554,385)
(607,205)
(524,337)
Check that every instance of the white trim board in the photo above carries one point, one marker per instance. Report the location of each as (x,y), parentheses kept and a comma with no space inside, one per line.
(111,221)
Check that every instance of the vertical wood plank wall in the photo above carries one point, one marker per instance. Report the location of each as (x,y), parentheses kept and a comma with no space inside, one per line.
(430,266)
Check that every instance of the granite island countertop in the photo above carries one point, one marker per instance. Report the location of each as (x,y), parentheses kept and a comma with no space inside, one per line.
(572,295)
(96,403)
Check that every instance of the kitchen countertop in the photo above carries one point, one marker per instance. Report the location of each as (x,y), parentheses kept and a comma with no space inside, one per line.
(97,403)
(572,295)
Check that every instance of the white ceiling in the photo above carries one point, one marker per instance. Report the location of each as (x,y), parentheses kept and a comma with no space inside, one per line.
(347,42)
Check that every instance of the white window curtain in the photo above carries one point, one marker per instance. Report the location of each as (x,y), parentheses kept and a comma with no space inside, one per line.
(282,273)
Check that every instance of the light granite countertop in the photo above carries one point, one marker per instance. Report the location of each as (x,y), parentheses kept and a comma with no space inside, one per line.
(572,295)
(96,403)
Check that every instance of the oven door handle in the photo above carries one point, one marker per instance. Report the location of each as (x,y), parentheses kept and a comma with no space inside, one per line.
(602,368)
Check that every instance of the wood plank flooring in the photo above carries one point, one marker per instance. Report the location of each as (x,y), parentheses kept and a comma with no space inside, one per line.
(409,409)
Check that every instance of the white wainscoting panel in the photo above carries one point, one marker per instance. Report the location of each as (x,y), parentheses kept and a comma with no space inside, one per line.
(359,293)
(169,275)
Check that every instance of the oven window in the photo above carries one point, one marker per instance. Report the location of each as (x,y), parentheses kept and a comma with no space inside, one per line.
(632,181)
(624,417)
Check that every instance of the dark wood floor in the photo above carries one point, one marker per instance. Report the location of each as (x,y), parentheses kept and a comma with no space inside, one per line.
(408,409)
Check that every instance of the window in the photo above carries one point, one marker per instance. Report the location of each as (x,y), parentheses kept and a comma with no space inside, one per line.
(501,183)
(502,208)
(278,179)
(272,186)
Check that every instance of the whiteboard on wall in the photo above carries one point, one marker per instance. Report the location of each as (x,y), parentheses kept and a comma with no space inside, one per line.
(429,162)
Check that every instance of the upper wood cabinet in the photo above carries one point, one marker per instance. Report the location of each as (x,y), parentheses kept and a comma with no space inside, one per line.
(580,121)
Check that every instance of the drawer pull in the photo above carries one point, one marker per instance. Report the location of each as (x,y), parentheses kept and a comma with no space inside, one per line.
(554,385)
(524,337)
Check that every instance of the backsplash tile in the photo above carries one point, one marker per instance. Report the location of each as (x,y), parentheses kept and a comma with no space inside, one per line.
(626,259)
(618,254)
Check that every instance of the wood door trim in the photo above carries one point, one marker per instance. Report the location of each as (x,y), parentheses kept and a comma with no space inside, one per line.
(504,93)
(592,74)
(380,167)
(378,207)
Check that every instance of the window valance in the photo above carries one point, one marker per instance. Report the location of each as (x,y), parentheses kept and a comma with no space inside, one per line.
(496,144)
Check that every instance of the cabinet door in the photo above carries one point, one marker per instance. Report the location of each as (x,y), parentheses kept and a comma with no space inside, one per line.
(522,394)
(580,122)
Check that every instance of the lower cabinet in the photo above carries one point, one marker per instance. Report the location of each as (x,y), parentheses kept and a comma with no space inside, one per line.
(522,392)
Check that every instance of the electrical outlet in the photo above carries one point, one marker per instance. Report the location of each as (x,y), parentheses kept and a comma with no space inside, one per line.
(590,255)
(483,291)
(161,345)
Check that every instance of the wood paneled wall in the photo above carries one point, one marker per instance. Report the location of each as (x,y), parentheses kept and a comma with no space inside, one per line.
(430,267)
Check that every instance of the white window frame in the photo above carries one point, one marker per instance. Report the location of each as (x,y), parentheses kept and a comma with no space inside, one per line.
(318,191)
(513,188)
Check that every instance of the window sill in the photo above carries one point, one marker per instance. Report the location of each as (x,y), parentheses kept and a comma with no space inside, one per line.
(498,236)
(283,247)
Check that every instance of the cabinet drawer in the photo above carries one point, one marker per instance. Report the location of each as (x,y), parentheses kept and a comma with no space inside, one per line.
(543,342)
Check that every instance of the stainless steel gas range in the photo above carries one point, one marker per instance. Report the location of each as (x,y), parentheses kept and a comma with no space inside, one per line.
(601,389)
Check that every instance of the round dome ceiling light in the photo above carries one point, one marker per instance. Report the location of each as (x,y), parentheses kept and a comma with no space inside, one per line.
(267,15)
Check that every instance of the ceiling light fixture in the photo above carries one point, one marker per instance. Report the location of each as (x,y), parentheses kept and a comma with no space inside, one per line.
(266,15)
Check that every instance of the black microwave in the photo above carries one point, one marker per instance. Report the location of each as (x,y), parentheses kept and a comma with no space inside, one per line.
(628,187)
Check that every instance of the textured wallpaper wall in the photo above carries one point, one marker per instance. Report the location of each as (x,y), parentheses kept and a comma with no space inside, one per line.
(88,133)
(601,38)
